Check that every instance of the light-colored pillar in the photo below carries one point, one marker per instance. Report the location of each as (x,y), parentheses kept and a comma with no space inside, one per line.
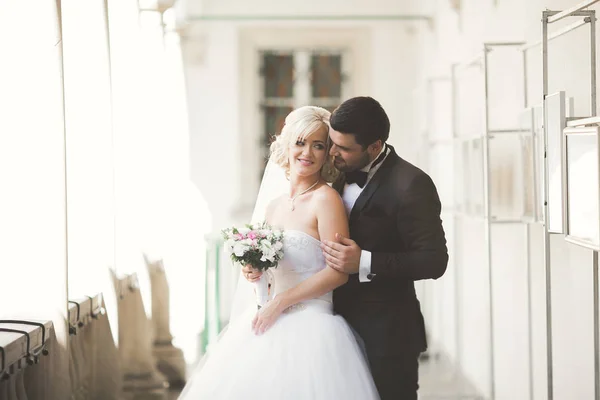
(141,378)
(170,359)
(50,378)
(108,376)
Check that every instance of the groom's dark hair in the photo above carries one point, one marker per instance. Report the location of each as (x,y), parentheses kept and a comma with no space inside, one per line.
(364,118)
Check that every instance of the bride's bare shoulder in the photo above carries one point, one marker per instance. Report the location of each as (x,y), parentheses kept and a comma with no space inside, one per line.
(331,213)
(326,196)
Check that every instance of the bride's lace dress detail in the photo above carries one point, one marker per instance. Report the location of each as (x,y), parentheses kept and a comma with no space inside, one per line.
(308,354)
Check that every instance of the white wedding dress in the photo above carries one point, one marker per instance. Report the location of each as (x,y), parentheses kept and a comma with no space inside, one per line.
(308,354)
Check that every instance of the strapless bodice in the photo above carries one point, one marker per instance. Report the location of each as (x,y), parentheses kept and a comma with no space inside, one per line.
(302,258)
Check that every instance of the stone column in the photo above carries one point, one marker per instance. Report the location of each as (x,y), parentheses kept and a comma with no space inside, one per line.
(108,375)
(170,359)
(141,378)
(21,395)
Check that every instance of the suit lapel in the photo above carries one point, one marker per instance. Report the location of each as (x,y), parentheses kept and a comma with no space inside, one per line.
(374,183)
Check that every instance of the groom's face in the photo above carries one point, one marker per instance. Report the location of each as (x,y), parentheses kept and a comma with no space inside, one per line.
(347,154)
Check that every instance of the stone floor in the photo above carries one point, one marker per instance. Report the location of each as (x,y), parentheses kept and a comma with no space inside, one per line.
(439,380)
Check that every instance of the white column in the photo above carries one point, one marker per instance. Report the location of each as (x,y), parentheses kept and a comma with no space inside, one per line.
(170,359)
(141,378)
(108,375)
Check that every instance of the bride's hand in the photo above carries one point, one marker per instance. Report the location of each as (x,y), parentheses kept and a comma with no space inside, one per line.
(266,316)
(251,274)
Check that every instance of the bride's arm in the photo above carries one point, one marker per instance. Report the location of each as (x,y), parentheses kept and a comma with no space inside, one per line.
(331,218)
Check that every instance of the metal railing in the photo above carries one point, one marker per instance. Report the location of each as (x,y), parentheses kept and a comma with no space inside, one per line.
(212,293)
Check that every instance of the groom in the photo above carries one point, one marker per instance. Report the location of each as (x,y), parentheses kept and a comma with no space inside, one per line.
(397,238)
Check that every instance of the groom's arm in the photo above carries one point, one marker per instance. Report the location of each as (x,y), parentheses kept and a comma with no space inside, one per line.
(420,229)
(331,218)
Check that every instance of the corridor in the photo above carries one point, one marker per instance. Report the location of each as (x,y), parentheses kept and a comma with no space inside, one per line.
(132,132)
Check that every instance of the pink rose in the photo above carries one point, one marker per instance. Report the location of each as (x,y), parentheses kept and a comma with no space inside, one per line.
(252,235)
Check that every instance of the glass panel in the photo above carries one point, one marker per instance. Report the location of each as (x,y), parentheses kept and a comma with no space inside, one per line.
(555,123)
(326,76)
(572,77)
(527,159)
(89,148)
(582,180)
(505,87)
(528,162)
(476,177)
(441,124)
(32,211)
(461,164)
(441,161)
(274,121)
(32,205)
(506,177)
(421,122)
(470,102)
(278,73)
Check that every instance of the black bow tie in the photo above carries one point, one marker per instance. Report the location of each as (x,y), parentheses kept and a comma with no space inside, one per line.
(360,177)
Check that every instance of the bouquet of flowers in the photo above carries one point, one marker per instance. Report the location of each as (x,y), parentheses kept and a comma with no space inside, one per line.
(258,245)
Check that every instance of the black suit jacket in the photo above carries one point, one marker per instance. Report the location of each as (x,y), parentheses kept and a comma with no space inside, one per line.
(397,219)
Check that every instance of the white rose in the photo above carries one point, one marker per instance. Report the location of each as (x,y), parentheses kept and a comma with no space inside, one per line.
(229,245)
(267,256)
(239,249)
(264,232)
(265,247)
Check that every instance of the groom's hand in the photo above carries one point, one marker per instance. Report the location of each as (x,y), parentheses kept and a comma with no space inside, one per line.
(251,274)
(343,256)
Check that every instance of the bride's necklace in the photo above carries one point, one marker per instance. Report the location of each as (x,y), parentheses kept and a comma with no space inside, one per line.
(292,199)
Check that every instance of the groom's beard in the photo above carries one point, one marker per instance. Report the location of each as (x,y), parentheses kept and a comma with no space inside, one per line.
(355,166)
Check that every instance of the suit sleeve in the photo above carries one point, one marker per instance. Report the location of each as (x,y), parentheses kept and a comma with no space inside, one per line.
(420,229)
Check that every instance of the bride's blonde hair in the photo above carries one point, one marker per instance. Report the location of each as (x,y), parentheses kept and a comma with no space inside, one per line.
(299,125)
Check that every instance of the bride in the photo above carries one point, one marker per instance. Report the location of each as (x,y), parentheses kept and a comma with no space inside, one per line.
(294,347)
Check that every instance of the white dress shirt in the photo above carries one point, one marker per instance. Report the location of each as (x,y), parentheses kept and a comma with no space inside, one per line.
(349,197)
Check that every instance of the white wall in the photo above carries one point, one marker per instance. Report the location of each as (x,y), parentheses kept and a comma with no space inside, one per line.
(33,213)
(513,326)
(222,71)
